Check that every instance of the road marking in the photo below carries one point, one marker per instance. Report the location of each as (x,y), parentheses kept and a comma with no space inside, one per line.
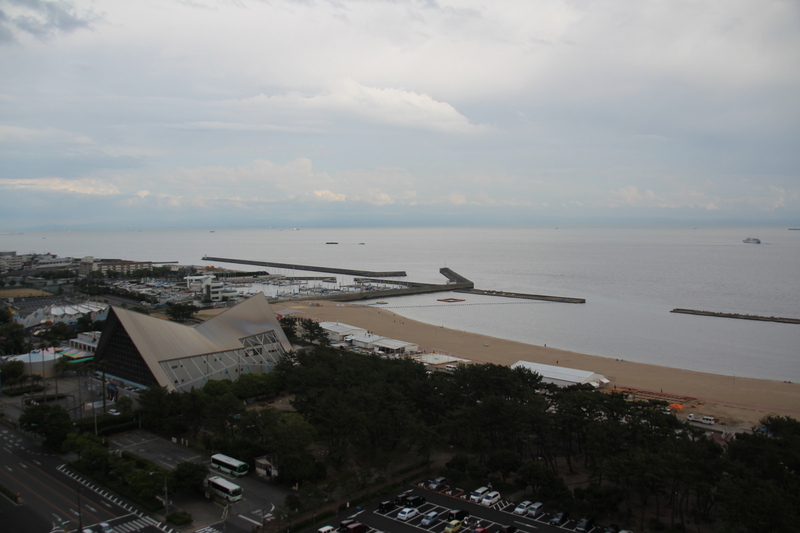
(243,517)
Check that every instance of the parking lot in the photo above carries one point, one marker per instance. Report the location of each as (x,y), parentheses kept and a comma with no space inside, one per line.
(448,503)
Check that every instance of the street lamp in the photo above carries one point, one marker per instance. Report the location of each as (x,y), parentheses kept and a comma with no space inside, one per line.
(166,494)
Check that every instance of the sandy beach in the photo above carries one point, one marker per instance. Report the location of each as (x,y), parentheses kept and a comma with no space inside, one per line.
(736,401)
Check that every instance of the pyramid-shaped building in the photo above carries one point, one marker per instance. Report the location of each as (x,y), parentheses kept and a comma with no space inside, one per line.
(144,351)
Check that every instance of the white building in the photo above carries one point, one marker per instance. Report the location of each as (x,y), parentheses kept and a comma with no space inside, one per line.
(86,341)
(337,332)
(379,344)
(68,313)
(40,362)
(562,376)
(210,289)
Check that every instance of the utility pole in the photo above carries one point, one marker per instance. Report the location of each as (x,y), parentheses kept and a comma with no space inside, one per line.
(166,494)
(80,513)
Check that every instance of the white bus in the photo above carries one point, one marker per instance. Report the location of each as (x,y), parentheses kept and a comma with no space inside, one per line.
(229,465)
(224,488)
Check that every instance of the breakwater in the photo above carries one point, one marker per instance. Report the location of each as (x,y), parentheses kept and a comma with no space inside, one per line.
(739,316)
(504,294)
(289,266)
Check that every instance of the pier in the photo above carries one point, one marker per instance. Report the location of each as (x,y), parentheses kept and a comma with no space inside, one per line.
(504,294)
(739,316)
(288,266)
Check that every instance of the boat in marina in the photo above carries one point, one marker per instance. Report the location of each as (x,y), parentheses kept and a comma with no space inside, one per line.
(752,240)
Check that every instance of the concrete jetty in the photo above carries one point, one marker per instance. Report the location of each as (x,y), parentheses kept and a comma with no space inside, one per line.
(524,296)
(288,266)
(783,320)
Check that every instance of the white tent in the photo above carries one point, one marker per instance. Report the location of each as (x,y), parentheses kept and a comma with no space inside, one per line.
(562,376)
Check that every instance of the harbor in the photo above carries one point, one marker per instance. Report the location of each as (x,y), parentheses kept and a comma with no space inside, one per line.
(371,284)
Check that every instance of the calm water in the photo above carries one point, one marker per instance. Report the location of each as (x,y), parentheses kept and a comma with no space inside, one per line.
(631,279)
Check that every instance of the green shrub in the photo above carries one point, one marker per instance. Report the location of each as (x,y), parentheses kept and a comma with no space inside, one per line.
(179,518)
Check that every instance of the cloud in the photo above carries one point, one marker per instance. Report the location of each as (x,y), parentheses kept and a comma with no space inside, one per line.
(42,19)
(87,186)
(18,134)
(460,107)
(391,106)
(329,196)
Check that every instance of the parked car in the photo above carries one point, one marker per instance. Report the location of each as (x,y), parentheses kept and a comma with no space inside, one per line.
(437,484)
(453,527)
(385,507)
(326,529)
(113,412)
(559,519)
(407,513)
(343,525)
(491,498)
(585,524)
(457,514)
(358,527)
(522,508)
(430,518)
(535,509)
(478,494)
(415,501)
(508,528)
(400,499)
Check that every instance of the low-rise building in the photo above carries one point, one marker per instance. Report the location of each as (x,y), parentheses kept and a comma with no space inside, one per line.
(90,264)
(337,332)
(86,341)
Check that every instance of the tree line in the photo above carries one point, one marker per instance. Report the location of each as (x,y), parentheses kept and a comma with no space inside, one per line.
(355,418)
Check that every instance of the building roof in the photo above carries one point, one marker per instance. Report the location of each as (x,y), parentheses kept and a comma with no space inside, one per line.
(392,344)
(159,340)
(435,359)
(364,337)
(340,329)
(562,375)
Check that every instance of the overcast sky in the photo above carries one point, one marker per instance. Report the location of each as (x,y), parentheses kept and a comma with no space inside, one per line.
(160,113)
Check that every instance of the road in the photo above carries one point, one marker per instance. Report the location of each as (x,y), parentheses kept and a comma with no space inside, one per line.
(260,497)
(54,500)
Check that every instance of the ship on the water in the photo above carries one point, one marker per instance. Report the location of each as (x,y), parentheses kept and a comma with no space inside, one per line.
(752,240)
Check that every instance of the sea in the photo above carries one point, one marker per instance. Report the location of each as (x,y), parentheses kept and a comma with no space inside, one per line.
(631,278)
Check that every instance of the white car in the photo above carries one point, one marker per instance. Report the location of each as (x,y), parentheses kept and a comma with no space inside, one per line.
(478,494)
(113,412)
(535,509)
(105,527)
(407,514)
(491,498)
(523,507)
